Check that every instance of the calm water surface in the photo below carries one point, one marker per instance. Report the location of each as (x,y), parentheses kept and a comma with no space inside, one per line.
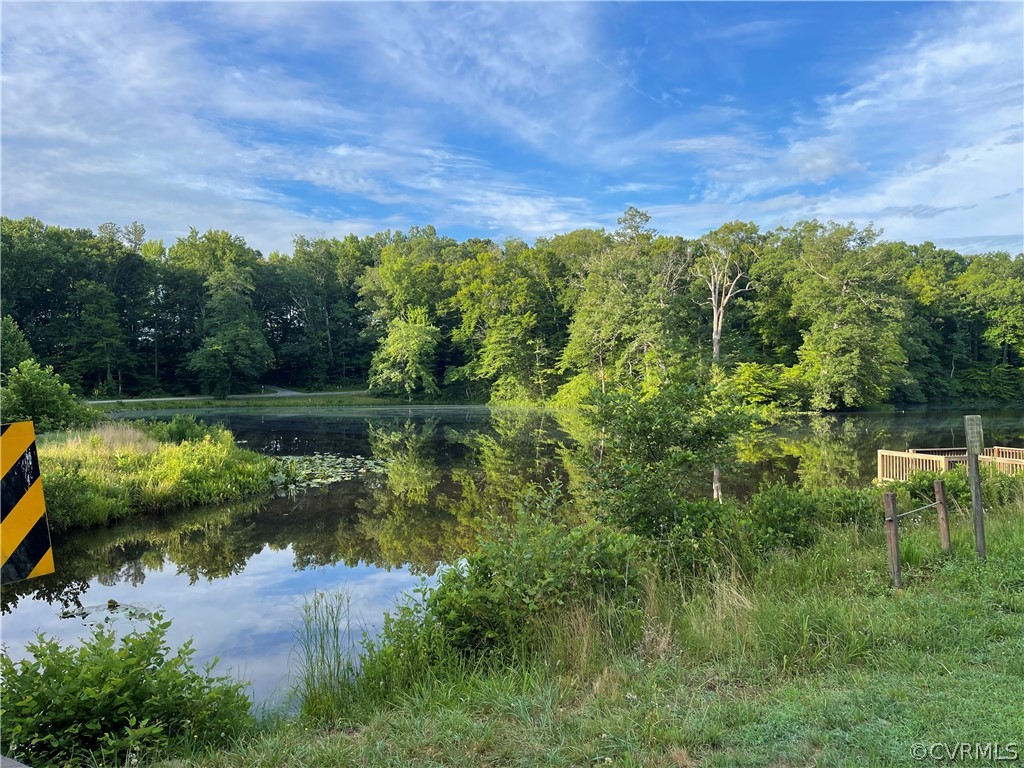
(234,577)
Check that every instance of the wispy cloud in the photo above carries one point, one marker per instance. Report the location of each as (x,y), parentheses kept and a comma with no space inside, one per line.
(271,119)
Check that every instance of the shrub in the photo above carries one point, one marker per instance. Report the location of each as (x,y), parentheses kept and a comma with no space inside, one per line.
(997,489)
(703,534)
(33,393)
(107,700)
(180,429)
(539,567)
(788,516)
(500,604)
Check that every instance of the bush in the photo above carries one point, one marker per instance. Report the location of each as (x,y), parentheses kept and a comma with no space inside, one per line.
(788,516)
(108,701)
(705,533)
(498,605)
(515,580)
(33,393)
(180,429)
(997,489)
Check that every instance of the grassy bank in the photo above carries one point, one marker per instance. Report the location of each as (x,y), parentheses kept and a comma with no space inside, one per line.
(290,401)
(798,656)
(117,470)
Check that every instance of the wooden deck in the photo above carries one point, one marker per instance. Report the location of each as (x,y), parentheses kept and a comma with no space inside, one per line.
(900,465)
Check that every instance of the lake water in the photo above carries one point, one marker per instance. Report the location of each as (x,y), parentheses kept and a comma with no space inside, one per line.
(234,577)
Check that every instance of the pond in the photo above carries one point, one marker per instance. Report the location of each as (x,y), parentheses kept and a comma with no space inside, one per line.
(234,577)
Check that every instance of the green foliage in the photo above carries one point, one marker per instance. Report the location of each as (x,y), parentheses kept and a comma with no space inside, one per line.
(514,582)
(183,427)
(654,449)
(116,471)
(111,701)
(405,361)
(31,392)
(993,286)
(14,347)
(759,384)
(234,351)
(818,315)
(786,516)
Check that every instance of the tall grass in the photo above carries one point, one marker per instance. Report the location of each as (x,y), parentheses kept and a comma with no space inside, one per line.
(116,470)
(325,657)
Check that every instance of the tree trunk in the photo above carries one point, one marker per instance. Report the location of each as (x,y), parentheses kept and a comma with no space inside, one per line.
(330,348)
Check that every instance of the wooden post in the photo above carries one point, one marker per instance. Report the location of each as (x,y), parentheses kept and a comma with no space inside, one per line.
(892,539)
(975,445)
(940,502)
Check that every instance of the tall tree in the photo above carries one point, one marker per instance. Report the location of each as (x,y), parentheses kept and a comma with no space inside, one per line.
(406,358)
(724,259)
(844,282)
(234,350)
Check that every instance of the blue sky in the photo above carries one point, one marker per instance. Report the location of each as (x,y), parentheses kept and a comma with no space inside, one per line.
(274,119)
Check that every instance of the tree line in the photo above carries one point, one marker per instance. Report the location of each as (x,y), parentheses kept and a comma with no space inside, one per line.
(817,315)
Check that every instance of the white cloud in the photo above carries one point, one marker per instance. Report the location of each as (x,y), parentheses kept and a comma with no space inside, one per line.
(272,119)
(926,142)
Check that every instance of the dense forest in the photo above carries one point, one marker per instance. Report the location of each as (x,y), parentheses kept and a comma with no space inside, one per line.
(818,315)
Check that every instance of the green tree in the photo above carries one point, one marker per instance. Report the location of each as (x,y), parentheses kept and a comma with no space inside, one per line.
(14,347)
(723,262)
(31,392)
(406,358)
(844,285)
(510,321)
(993,287)
(234,350)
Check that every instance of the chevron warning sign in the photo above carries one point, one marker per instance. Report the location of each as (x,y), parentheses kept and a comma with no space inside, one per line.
(25,550)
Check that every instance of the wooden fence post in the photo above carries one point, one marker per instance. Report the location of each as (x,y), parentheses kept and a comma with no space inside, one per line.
(975,445)
(940,503)
(892,539)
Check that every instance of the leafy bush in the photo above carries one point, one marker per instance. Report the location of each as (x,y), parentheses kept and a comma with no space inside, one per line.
(33,393)
(788,516)
(180,429)
(499,604)
(705,533)
(997,489)
(762,385)
(107,700)
(515,580)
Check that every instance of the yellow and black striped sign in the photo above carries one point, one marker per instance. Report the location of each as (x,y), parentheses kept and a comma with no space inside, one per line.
(24,534)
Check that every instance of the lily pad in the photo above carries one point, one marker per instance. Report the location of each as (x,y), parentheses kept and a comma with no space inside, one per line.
(295,474)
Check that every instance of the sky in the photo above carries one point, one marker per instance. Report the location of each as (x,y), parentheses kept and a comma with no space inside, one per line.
(516,120)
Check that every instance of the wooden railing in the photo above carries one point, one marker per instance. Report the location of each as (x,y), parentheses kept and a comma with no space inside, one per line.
(900,465)
(1000,452)
(1006,466)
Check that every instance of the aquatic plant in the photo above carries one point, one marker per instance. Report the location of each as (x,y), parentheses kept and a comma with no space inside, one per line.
(298,474)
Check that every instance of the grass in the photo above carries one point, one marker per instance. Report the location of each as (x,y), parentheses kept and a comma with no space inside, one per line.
(810,657)
(291,401)
(116,470)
